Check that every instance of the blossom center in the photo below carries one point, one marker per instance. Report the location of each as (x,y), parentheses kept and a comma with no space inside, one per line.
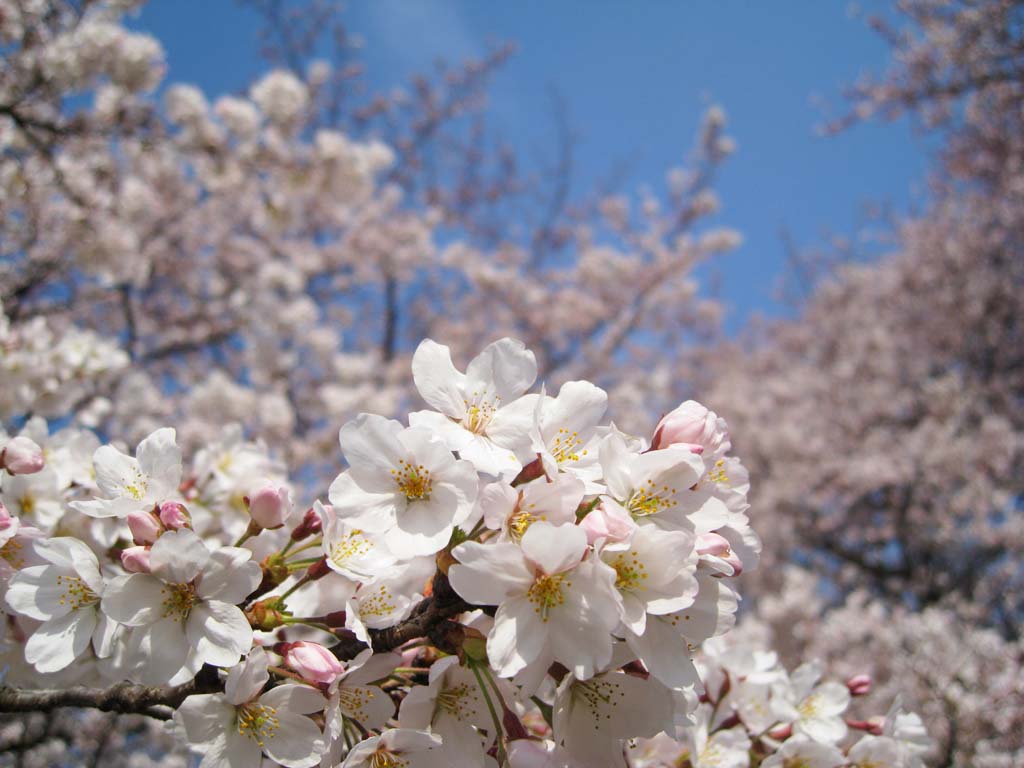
(717,475)
(352,546)
(258,722)
(630,571)
(178,599)
(809,706)
(478,414)
(546,593)
(598,696)
(565,445)
(795,762)
(520,522)
(352,701)
(384,759)
(377,603)
(27,504)
(650,500)
(453,701)
(75,592)
(413,480)
(11,552)
(137,488)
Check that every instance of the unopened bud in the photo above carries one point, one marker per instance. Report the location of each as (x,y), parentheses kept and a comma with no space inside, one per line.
(782,733)
(717,546)
(135,559)
(144,527)
(270,506)
(266,615)
(5,517)
(311,661)
(174,515)
(318,570)
(873,725)
(859,685)
(691,426)
(22,456)
(310,526)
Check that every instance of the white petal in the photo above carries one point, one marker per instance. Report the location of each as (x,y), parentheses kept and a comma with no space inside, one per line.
(202,718)
(555,548)
(300,699)
(159,459)
(506,366)
(34,592)
(219,632)
(374,512)
(489,573)
(297,742)
(230,575)
(134,600)
(424,527)
(578,407)
(247,679)
(370,441)
(517,637)
(177,557)
(664,653)
(161,650)
(58,642)
(115,472)
(437,380)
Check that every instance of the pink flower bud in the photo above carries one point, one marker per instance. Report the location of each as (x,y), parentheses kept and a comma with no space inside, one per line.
(310,525)
(873,725)
(135,559)
(859,685)
(5,517)
(311,661)
(270,506)
(174,515)
(717,546)
(693,426)
(609,522)
(144,526)
(712,544)
(781,733)
(22,456)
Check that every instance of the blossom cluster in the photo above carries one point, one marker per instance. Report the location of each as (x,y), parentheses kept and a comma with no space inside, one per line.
(579,568)
(754,712)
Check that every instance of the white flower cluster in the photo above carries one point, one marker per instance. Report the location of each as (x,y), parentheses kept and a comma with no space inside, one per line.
(752,706)
(47,371)
(504,581)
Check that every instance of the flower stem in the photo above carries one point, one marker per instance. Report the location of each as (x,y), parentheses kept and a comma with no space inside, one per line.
(499,732)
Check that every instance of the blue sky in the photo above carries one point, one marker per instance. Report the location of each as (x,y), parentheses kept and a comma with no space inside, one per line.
(637,77)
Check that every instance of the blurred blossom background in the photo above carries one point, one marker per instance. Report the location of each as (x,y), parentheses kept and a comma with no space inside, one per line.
(240,218)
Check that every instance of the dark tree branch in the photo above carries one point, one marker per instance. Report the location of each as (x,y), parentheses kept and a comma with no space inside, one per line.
(428,618)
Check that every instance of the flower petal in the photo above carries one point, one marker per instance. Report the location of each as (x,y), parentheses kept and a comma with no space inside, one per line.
(177,557)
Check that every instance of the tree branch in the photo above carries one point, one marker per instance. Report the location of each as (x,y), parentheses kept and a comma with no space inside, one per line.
(427,618)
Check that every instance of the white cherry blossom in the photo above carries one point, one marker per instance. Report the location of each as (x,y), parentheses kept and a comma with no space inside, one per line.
(551,600)
(593,717)
(806,753)
(398,747)
(815,710)
(481,414)
(184,610)
(64,594)
(131,484)
(404,484)
(513,510)
(235,728)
